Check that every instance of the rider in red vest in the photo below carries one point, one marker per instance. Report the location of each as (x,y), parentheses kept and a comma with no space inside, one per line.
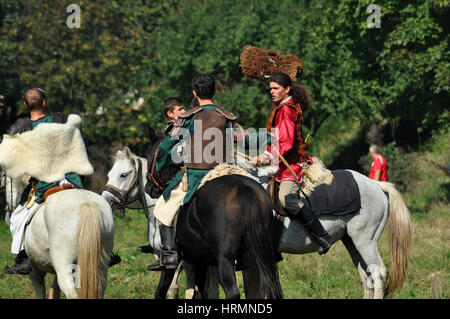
(287,116)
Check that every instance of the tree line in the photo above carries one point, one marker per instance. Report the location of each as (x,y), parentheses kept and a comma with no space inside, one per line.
(128,56)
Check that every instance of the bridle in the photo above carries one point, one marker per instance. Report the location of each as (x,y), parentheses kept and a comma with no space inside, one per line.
(122,194)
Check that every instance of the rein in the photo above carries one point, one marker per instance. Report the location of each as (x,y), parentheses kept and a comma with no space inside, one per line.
(151,174)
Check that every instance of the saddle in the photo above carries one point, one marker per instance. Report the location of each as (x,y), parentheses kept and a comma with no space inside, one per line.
(338,198)
(222,170)
(57,189)
(32,195)
(50,191)
(273,189)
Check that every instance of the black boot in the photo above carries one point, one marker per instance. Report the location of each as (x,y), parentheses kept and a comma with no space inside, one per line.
(314,227)
(169,256)
(22,265)
(147,249)
(115,259)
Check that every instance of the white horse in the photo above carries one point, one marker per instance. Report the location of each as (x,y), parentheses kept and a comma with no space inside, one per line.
(71,235)
(125,185)
(359,232)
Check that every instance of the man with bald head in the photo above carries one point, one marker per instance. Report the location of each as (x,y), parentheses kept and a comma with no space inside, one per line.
(33,195)
(34,100)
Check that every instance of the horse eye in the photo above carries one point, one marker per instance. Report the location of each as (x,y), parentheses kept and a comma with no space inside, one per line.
(124,175)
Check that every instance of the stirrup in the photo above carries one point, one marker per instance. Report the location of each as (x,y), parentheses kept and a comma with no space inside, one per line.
(156,266)
(169,262)
(325,244)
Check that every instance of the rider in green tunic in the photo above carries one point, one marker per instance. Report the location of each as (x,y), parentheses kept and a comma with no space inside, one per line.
(193,125)
(35,102)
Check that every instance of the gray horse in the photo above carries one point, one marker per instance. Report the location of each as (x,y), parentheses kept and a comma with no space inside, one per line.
(359,232)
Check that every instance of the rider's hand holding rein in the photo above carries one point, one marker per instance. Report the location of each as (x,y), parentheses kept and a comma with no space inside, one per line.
(259,160)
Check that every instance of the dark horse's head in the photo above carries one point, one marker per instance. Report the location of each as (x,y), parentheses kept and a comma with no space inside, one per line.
(157,181)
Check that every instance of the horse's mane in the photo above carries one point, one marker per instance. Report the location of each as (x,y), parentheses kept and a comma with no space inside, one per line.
(154,141)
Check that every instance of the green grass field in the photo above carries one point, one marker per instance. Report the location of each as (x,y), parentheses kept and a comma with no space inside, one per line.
(302,276)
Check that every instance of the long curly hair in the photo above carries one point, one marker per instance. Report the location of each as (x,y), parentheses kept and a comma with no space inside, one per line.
(297,91)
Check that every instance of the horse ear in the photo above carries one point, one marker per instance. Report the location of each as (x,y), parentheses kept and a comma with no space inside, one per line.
(151,134)
(119,154)
(128,152)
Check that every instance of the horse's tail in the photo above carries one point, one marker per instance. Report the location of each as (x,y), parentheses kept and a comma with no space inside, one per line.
(90,252)
(259,243)
(400,233)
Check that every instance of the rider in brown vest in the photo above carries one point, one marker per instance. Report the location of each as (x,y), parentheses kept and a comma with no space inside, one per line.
(204,152)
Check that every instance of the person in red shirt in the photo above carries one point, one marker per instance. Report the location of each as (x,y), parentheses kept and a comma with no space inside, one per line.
(290,101)
(378,170)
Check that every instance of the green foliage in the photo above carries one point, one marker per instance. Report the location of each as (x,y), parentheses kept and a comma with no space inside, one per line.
(129,50)
(416,57)
(400,170)
(431,189)
(128,56)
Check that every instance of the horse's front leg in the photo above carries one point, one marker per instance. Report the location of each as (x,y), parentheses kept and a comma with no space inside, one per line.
(191,288)
(200,279)
(37,279)
(164,282)
(175,285)
(212,282)
(54,292)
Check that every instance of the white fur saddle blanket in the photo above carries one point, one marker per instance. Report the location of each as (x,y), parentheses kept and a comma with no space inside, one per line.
(47,152)
(222,170)
(314,175)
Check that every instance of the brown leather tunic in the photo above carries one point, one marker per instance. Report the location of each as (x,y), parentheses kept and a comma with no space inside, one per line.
(208,145)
